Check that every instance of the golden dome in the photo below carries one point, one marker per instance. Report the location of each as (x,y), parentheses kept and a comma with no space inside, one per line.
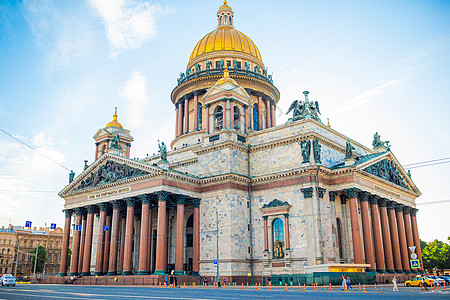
(225,37)
(114,122)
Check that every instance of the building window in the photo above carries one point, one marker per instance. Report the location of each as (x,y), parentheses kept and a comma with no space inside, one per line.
(218,118)
(229,64)
(218,64)
(236,118)
(278,238)
(200,117)
(255,117)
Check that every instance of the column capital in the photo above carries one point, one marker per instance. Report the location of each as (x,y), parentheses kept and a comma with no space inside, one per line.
(382,202)
(146,198)
(363,196)
(186,97)
(265,218)
(79,211)
(162,195)
(117,204)
(414,212)
(374,199)
(391,204)
(68,212)
(344,198)
(103,206)
(286,216)
(245,106)
(407,210)
(181,199)
(307,192)
(130,201)
(399,207)
(91,209)
(196,202)
(351,192)
(332,195)
(196,93)
(321,192)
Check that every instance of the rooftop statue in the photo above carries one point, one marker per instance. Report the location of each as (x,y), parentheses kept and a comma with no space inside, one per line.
(349,150)
(377,142)
(208,64)
(162,151)
(71,176)
(304,109)
(115,142)
(247,66)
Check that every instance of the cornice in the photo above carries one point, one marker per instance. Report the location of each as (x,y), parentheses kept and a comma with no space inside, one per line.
(183,163)
(223,145)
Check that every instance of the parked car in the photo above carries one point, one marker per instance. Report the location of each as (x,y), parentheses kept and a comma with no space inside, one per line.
(446,278)
(434,277)
(417,281)
(7,280)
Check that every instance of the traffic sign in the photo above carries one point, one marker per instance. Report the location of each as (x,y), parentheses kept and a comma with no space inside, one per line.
(413,256)
(412,248)
(27,223)
(78,227)
(215,261)
(106,228)
(415,264)
(52,226)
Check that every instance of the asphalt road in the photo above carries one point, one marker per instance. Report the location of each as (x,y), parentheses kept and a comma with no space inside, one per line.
(38,291)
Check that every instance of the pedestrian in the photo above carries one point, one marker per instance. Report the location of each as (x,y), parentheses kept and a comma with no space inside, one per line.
(394,282)
(175,281)
(166,280)
(71,280)
(218,281)
(211,280)
(344,282)
(115,280)
(349,285)
(224,282)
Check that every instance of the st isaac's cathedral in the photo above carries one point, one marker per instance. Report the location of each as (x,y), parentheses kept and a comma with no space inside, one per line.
(238,194)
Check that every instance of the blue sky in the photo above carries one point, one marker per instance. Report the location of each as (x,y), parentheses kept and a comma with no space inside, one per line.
(64,65)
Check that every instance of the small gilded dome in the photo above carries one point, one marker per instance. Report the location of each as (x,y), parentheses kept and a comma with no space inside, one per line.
(226,78)
(225,7)
(114,122)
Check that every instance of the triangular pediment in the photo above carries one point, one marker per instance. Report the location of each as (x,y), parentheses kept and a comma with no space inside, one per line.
(108,132)
(227,90)
(386,167)
(108,169)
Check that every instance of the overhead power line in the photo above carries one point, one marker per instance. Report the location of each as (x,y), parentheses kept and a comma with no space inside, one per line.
(32,148)
(428,163)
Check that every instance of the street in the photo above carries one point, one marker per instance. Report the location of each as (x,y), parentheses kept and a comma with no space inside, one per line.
(139,292)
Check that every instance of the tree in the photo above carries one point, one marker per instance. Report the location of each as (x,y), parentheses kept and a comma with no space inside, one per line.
(436,255)
(41,258)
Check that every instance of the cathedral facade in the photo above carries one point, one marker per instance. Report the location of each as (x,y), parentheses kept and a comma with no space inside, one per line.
(239,194)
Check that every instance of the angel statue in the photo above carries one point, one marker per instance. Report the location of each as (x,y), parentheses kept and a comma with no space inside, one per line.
(304,109)
(162,151)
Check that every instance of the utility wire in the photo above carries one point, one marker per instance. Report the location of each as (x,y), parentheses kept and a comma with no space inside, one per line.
(423,162)
(428,165)
(22,142)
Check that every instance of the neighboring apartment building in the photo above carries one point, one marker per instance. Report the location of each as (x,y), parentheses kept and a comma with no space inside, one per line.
(29,239)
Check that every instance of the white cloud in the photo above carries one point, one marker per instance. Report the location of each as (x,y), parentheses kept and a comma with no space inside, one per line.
(128,23)
(367,96)
(24,178)
(135,92)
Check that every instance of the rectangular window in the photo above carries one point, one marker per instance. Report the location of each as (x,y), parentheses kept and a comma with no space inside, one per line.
(238,65)
(217,64)
(248,250)
(189,240)
(228,63)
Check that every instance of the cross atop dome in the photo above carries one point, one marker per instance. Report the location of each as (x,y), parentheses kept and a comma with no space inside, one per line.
(225,16)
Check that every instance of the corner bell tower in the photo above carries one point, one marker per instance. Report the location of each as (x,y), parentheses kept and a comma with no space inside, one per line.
(113,139)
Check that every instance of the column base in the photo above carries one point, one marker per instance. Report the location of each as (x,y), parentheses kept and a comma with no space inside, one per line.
(142,273)
(96,273)
(415,271)
(178,273)
(61,274)
(381,270)
(195,273)
(398,271)
(86,273)
(407,271)
(370,270)
(124,273)
(73,274)
(111,273)
(160,272)
(390,271)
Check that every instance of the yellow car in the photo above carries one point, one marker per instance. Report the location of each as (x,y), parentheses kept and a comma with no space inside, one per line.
(417,281)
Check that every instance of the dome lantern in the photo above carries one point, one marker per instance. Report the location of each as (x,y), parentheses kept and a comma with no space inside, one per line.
(225,16)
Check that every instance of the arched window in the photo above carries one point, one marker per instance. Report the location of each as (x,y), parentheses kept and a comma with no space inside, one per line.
(218,118)
(339,237)
(9,250)
(230,20)
(278,238)
(220,21)
(236,118)
(1,261)
(3,251)
(255,117)
(200,118)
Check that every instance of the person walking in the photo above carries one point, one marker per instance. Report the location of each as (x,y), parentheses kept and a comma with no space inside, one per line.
(344,282)
(175,281)
(115,280)
(349,285)
(166,280)
(394,282)
(211,280)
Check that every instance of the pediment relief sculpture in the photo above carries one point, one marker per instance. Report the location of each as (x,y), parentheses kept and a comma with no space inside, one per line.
(387,170)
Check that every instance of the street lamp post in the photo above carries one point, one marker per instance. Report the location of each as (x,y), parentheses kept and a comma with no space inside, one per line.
(17,256)
(35,259)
